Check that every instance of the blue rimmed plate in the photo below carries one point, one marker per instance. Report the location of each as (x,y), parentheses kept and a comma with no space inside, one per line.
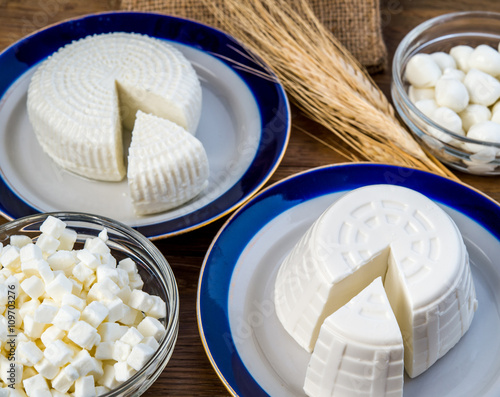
(248,348)
(244,126)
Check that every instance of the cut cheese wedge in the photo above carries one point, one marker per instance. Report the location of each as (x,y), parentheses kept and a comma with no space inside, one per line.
(167,166)
(349,361)
(79,98)
(390,232)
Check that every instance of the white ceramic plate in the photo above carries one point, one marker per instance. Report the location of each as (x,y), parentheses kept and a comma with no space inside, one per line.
(238,112)
(246,343)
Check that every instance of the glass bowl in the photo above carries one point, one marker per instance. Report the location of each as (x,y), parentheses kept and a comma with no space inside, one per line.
(441,34)
(152,266)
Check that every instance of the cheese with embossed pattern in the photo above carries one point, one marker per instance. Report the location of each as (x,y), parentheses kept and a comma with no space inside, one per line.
(382,231)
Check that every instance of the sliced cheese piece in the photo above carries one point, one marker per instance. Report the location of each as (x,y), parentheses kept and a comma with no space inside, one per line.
(167,166)
(81,95)
(359,351)
(395,233)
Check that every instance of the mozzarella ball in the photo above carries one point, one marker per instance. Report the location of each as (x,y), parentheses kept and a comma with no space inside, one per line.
(483,88)
(495,112)
(444,60)
(485,59)
(495,117)
(474,114)
(452,94)
(417,94)
(447,119)
(422,71)
(461,54)
(487,131)
(456,74)
(496,107)
(427,106)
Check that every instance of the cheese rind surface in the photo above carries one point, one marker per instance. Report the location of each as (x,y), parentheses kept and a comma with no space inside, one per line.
(390,232)
(80,97)
(349,361)
(167,166)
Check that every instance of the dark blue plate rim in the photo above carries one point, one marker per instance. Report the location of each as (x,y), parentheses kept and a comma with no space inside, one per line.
(241,227)
(269,95)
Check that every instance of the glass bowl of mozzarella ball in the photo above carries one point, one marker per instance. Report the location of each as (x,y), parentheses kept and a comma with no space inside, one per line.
(446,89)
(89,307)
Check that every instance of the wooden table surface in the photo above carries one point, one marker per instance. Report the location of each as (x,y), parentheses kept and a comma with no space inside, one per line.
(189,372)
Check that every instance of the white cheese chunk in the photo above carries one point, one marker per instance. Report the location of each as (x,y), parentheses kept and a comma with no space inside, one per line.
(62,260)
(67,239)
(37,382)
(167,166)
(10,257)
(81,95)
(361,338)
(128,265)
(131,316)
(140,300)
(66,317)
(132,337)
(48,243)
(397,234)
(123,371)
(88,258)
(151,341)
(150,326)
(104,350)
(58,287)
(121,351)
(32,328)
(51,334)
(85,364)
(58,353)
(30,352)
(29,307)
(74,301)
(84,335)
(95,313)
(158,309)
(19,240)
(30,251)
(45,313)
(139,356)
(105,290)
(52,226)
(33,286)
(45,368)
(65,379)
(116,309)
(85,387)
(110,332)
(108,379)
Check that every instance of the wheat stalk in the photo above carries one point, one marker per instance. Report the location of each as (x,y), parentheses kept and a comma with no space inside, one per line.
(323,79)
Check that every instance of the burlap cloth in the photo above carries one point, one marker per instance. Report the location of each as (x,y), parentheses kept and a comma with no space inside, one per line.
(355,23)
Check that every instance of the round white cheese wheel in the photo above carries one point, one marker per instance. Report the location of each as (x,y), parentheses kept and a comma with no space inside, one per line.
(167,166)
(359,351)
(395,233)
(80,97)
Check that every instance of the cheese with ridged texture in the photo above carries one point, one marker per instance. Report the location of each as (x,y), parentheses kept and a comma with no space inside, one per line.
(382,231)
(167,166)
(80,97)
(359,351)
